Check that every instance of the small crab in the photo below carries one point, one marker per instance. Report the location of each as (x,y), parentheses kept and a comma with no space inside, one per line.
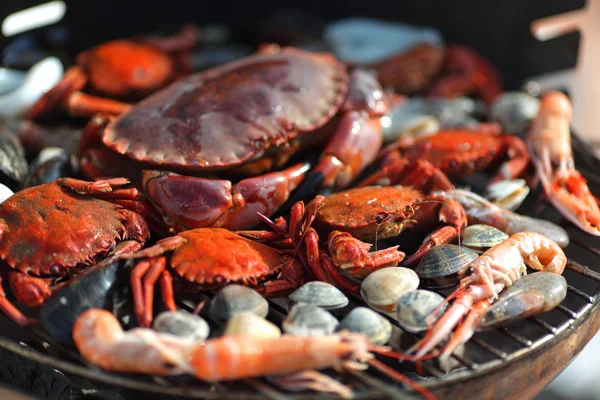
(459,152)
(366,214)
(210,258)
(244,118)
(119,69)
(47,232)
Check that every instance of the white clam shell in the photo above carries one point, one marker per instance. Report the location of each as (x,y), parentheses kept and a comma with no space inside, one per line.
(382,289)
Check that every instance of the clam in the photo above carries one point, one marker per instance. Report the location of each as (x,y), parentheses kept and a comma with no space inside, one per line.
(309,320)
(5,192)
(250,324)
(320,294)
(439,267)
(368,322)
(182,324)
(480,237)
(509,193)
(414,308)
(514,111)
(234,299)
(382,289)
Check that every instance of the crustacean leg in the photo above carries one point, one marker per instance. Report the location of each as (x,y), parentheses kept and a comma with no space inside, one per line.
(13,312)
(434,209)
(483,279)
(356,140)
(66,94)
(550,143)
(193,202)
(396,170)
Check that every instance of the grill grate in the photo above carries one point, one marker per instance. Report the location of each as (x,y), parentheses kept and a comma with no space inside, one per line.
(483,354)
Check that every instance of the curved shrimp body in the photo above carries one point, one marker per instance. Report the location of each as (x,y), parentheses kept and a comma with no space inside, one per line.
(101,340)
(236,357)
(483,279)
(549,141)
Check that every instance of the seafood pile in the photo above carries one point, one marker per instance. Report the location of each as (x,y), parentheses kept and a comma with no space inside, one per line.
(312,180)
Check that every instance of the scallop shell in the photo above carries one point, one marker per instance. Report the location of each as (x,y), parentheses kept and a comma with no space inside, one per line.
(382,289)
(368,322)
(320,294)
(414,308)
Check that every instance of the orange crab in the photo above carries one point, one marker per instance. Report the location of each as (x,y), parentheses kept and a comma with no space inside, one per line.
(369,213)
(119,69)
(457,153)
(209,258)
(49,231)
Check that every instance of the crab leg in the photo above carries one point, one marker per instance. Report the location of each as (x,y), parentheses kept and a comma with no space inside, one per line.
(13,312)
(193,202)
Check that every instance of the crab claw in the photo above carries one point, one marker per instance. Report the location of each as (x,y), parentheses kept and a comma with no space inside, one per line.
(571,196)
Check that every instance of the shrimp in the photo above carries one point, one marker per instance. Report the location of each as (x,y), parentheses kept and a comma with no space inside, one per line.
(483,279)
(101,340)
(549,141)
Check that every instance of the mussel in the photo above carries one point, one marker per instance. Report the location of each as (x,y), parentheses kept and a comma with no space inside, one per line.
(93,289)
(50,164)
(13,165)
(514,111)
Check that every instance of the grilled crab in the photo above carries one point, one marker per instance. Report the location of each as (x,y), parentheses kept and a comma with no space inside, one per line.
(245,117)
(118,69)
(50,231)
(210,258)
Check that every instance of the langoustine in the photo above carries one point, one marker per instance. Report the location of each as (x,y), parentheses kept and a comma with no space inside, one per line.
(549,141)
(101,340)
(481,282)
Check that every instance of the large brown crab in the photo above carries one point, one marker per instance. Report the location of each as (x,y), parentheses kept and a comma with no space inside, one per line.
(47,232)
(209,258)
(248,116)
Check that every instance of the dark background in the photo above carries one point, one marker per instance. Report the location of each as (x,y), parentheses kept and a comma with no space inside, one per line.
(498,29)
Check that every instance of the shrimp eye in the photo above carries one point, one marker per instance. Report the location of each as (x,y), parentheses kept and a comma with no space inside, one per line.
(469,271)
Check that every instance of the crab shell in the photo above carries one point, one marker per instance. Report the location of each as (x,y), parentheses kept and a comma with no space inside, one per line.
(461,152)
(232,114)
(47,229)
(121,68)
(367,213)
(214,256)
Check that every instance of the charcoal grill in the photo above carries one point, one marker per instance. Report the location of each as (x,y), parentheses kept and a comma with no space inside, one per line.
(516,361)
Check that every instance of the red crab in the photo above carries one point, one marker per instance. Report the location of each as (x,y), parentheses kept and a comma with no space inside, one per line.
(119,69)
(369,213)
(246,117)
(412,71)
(47,232)
(465,73)
(210,258)
(457,153)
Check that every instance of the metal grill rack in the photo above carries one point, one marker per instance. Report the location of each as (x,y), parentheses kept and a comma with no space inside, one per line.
(512,361)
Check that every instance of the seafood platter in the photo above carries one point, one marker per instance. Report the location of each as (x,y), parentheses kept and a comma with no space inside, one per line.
(191,217)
